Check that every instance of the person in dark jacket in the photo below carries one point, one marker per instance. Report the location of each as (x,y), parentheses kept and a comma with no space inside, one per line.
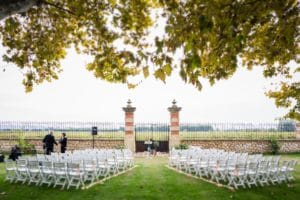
(49,142)
(63,143)
(152,146)
(15,153)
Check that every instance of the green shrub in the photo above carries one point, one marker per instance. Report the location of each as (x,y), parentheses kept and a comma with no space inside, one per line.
(120,146)
(182,146)
(25,146)
(274,146)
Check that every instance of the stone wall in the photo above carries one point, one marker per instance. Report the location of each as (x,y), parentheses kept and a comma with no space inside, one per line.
(6,144)
(250,146)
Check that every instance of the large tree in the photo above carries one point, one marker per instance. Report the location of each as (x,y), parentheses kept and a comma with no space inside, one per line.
(215,36)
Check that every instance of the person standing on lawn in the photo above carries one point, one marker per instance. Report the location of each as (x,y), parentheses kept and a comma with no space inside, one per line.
(63,143)
(156,145)
(148,145)
(49,142)
(152,146)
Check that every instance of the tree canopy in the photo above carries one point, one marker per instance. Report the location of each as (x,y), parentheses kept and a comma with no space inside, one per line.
(215,36)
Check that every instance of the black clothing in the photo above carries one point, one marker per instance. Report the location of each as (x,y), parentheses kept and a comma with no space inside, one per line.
(1,158)
(49,141)
(63,144)
(49,150)
(62,149)
(152,144)
(15,153)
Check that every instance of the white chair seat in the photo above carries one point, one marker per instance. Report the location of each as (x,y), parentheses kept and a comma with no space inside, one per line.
(34,171)
(76,173)
(60,172)
(22,169)
(47,171)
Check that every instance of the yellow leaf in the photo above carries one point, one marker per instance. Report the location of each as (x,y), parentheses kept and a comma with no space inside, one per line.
(146,72)
(160,74)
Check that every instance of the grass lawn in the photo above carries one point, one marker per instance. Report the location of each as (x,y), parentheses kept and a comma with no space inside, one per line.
(162,136)
(152,180)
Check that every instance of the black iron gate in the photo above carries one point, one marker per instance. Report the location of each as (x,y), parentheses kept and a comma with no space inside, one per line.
(158,132)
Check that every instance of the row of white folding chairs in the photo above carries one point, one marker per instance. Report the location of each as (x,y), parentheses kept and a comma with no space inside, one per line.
(124,158)
(248,173)
(58,173)
(53,173)
(63,172)
(183,155)
(124,154)
(106,152)
(253,170)
(200,151)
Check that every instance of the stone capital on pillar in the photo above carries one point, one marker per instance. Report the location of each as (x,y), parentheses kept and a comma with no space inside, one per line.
(129,139)
(129,108)
(174,108)
(174,125)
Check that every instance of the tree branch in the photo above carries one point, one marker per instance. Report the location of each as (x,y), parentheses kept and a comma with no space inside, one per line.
(11,7)
(58,6)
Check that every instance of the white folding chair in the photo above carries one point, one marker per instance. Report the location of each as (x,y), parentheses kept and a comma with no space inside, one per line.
(22,170)
(102,167)
(75,175)
(34,172)
(202,167)
(121,162)
(40,157)
(181,164)
(47,173)
(238,176)
(173,158)
(212,164)
(128,158)
(251,173)
(11,170)
(218,172)
(60,172)
(263,172)
(288,171)
(112,164)
(90,170)
(192,163)
(273,173)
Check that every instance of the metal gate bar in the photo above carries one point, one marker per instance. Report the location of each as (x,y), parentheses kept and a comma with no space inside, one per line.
(156,131)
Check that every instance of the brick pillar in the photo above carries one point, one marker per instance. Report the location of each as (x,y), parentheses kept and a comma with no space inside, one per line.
(129,139)
(298,130)
(174,125)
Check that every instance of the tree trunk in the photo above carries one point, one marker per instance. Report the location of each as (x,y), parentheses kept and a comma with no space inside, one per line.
(11,7)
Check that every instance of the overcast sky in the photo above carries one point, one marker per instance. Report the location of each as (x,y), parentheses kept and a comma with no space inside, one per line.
(78,96)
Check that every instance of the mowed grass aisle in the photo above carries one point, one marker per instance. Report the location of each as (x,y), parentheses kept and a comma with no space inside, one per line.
(151,180)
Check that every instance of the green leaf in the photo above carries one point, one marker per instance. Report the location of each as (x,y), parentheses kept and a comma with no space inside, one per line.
(167,69)
(160,74)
